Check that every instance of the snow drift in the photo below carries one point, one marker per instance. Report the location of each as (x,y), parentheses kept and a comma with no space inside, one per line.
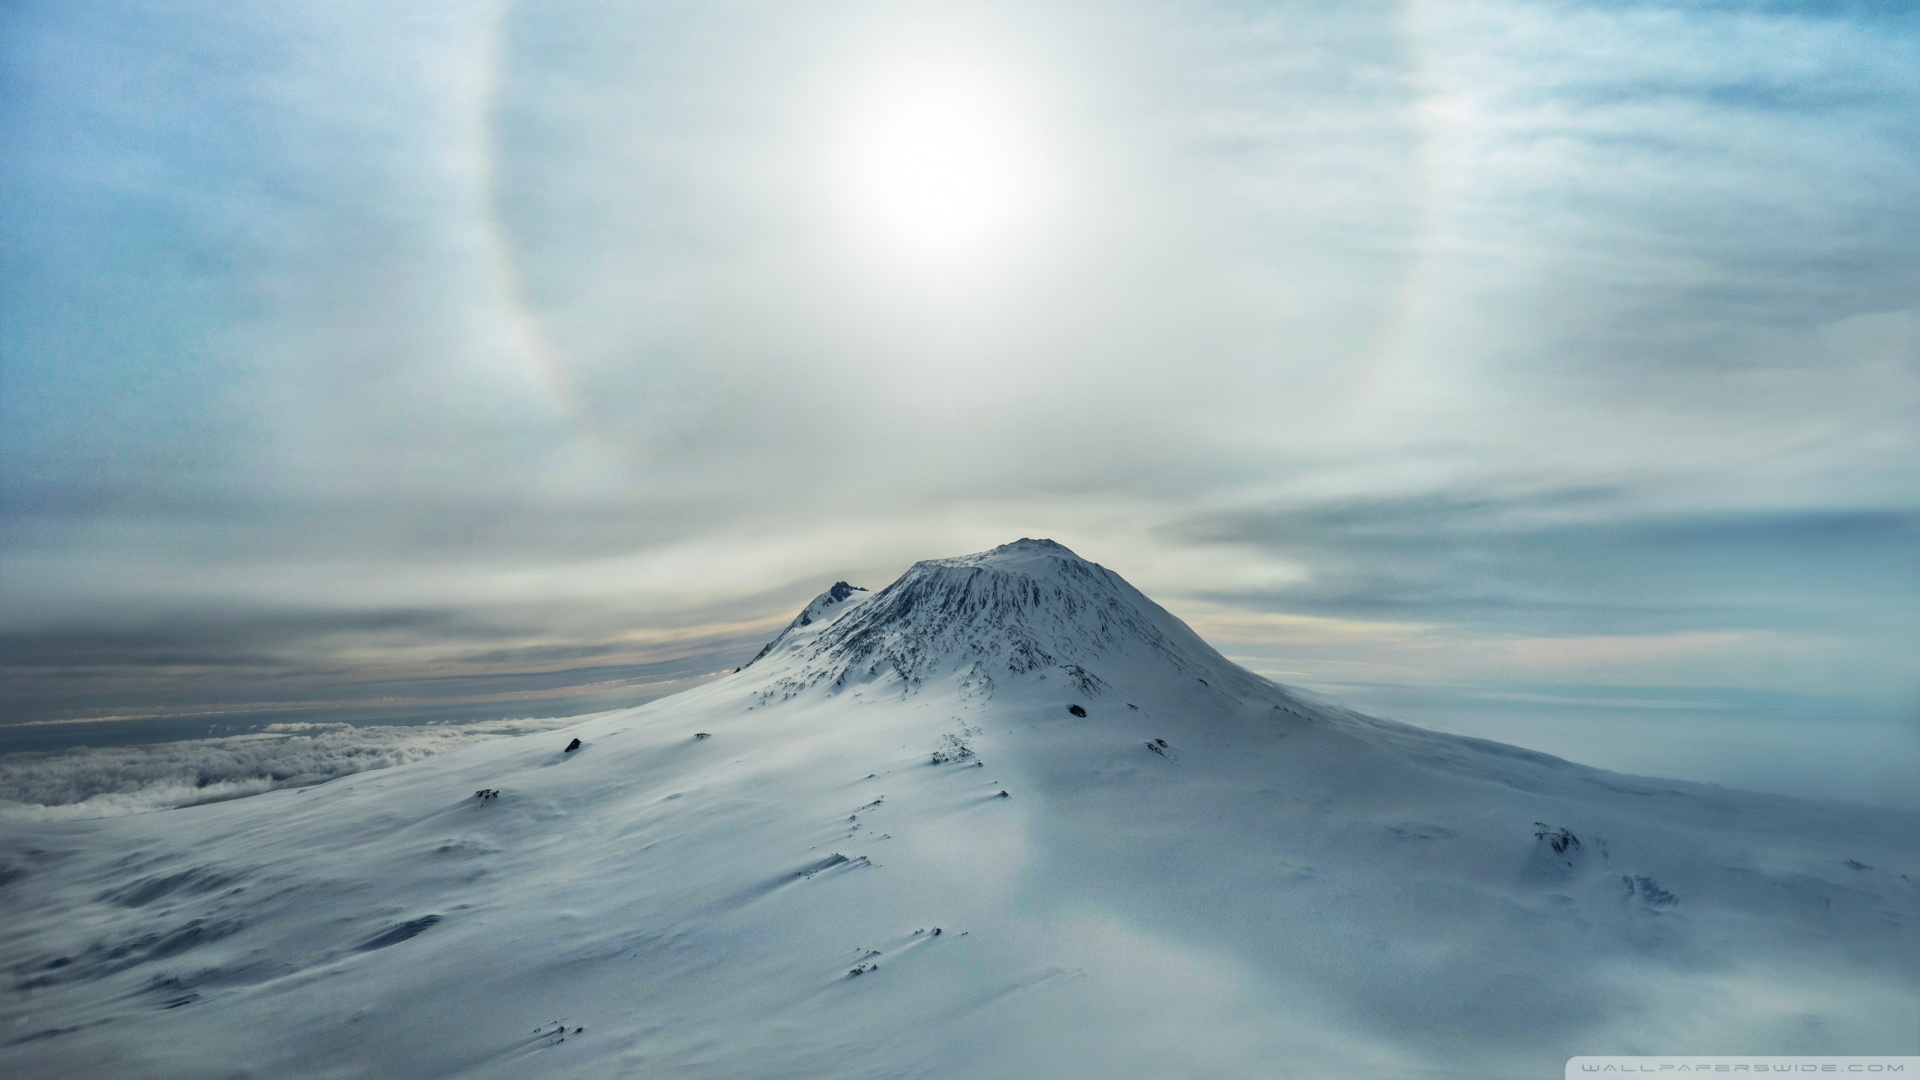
(1005,817)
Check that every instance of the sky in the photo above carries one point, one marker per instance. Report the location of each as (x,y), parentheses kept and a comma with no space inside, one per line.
(1543,371)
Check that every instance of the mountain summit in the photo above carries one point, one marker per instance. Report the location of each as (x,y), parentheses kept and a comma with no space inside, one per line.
(1022,609)
(1005,817)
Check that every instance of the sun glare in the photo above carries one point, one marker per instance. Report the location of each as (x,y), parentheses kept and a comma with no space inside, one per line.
(939,160)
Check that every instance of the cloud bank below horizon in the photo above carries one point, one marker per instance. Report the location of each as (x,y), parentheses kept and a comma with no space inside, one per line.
(98,782)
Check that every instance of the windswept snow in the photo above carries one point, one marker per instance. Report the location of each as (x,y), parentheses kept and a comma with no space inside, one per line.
(892,846)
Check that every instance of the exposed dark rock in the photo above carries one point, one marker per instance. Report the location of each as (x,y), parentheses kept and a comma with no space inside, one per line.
(394,935)
(1648,892)
(1560,840)
(952,748)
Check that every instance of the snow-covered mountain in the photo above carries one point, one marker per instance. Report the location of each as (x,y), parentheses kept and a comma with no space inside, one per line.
(1003,818)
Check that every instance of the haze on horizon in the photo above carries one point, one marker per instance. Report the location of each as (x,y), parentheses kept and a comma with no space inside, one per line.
(1546,372)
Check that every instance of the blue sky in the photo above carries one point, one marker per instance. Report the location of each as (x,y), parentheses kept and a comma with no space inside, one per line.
(1545,370)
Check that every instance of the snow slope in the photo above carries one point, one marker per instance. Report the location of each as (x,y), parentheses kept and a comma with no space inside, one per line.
(809,869)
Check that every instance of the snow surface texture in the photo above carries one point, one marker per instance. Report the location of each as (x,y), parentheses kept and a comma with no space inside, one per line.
(103,781)
(890,847)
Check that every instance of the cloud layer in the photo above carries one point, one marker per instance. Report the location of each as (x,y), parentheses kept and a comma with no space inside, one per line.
(111,781)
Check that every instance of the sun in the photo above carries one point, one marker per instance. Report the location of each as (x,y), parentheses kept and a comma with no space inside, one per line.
(939,159)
